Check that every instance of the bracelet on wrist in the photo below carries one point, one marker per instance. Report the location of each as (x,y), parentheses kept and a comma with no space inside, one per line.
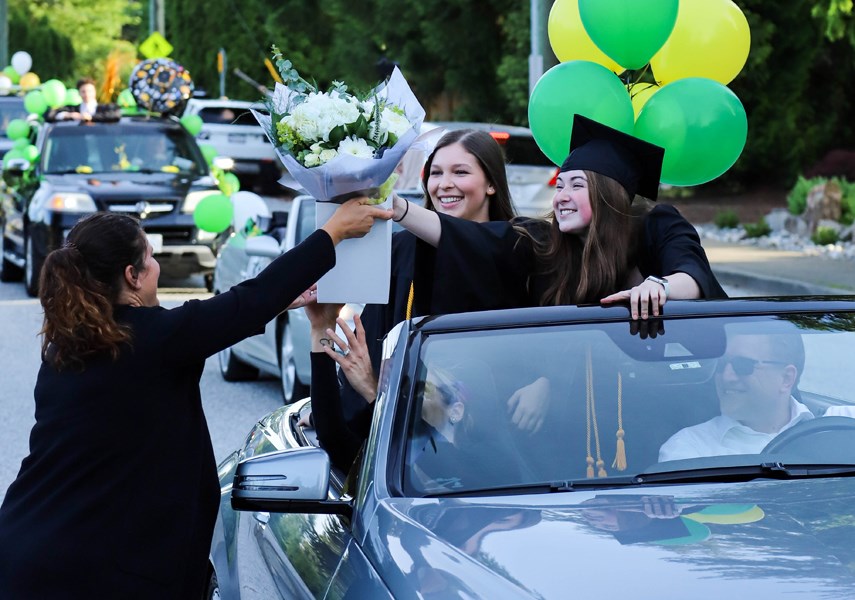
(406,210)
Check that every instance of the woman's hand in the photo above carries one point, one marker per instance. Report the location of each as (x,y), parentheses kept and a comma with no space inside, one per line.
(307,297)
(354,359)
(354,219)
(529,404)
(647,298)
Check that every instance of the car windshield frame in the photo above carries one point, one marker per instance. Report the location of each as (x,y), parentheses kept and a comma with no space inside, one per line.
(650,384)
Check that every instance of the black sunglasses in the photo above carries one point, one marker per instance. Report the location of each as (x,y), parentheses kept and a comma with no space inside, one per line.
(742,365)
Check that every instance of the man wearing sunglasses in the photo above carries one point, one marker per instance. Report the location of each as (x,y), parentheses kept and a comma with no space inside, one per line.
(755,381)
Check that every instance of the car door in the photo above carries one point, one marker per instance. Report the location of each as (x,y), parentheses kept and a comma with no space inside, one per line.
(289,555)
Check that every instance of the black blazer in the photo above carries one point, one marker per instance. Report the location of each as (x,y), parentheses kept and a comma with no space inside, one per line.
(119,494)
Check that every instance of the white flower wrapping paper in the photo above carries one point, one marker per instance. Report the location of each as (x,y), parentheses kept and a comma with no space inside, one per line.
(363,265)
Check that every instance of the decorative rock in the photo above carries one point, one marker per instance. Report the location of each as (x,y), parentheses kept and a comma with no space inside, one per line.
(823,202)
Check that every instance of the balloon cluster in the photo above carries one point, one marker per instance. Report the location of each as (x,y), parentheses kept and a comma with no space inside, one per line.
(160,85)
(214,213)
(607,47)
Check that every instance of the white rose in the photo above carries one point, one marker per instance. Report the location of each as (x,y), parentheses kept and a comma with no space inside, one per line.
(356,147)
(328,154)
(394,123)
(311,160)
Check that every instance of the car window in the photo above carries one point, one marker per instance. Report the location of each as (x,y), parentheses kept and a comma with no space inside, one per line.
(614,401)
(227,116)
(306,225)
(523,150)
(11,108)
(112,148)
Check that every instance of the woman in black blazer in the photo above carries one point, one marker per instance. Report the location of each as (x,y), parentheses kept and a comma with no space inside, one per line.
(119,493)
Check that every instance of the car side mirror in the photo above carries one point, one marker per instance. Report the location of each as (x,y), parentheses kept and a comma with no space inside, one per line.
(289,481)
(263,245)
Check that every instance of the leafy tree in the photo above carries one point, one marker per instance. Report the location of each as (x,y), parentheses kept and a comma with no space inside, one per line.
(52,52)
(93,28)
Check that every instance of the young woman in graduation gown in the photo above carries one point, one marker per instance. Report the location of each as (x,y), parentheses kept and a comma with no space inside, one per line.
(603,243)
(464,176)
(118,495)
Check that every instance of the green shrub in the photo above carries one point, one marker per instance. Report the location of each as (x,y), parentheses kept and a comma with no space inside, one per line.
(824,235)
(758,229)
(797,198)
(726,219)
(847,202)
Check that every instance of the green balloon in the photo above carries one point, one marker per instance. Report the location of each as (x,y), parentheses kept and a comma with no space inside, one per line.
(126,99)
(12,154)
(209,152)
(35,102)
(31,153)
(17,129)
(214,213)
(701,124)
(629,32)
(54,92)
(192,123)
(229,184)
(21,143)
(72,97)
(12,74)
(576,87)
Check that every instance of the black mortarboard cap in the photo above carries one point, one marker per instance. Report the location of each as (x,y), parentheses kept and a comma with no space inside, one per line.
(630,161)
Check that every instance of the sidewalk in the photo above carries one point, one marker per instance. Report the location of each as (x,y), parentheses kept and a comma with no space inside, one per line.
(779,272)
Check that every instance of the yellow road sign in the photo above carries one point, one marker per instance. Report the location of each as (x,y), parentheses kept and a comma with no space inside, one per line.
(155,46)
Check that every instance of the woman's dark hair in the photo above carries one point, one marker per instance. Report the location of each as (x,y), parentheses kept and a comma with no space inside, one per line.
(81,282)
(488,153)
(584,269)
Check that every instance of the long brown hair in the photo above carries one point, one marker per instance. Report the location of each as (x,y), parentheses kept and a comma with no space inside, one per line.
(586,269)
(488,153)
(81,282)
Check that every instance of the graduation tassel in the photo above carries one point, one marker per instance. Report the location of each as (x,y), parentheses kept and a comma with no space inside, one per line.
(620,451)
(591,422)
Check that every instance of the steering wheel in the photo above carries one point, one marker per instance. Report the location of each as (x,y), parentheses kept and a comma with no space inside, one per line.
(826,437)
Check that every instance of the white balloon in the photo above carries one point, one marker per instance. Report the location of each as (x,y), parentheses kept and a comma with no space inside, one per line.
(22,62)
(248,205)
(5,85)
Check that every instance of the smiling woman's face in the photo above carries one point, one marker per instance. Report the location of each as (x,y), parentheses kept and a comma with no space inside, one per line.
(572,202)
(457,184)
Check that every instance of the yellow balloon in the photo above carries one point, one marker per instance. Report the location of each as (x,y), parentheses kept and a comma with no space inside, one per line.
(640,93)
(710,39)
(29,81)
(569,39)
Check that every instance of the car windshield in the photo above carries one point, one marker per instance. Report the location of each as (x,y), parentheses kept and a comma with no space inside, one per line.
(11,107)
(121,147)
(606,404)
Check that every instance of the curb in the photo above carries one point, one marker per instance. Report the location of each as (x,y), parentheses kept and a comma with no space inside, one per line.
(774,286)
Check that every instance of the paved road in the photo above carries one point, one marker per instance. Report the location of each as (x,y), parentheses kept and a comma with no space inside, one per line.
(231,408)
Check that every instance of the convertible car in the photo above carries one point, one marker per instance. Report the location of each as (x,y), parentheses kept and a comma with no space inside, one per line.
(568,452)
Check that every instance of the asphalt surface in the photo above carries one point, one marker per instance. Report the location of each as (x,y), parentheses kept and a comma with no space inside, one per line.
(779,272)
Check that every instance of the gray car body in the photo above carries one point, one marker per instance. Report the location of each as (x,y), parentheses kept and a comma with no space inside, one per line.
(392,544)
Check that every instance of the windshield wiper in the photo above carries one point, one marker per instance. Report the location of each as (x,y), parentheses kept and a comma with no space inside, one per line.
(767,470)
(545,487)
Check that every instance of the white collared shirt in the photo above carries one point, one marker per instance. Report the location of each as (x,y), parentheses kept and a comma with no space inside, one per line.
(722,435)
(88,109)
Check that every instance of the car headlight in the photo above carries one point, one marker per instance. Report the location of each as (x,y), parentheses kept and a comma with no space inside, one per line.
(194,198)
(71,202)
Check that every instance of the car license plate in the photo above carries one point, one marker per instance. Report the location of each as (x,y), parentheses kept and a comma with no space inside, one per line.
(156,241)
(237,138)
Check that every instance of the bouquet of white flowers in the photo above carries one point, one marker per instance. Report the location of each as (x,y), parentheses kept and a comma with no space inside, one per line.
(335,143)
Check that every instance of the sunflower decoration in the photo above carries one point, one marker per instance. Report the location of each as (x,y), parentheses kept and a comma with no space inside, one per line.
(160,85)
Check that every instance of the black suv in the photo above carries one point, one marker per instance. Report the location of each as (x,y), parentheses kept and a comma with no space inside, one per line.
(148,168)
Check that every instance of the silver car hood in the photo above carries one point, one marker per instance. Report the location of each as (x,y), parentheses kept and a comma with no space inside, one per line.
(762,539)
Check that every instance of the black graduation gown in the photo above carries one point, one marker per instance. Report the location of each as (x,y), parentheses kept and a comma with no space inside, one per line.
(119,494)
(492,266)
